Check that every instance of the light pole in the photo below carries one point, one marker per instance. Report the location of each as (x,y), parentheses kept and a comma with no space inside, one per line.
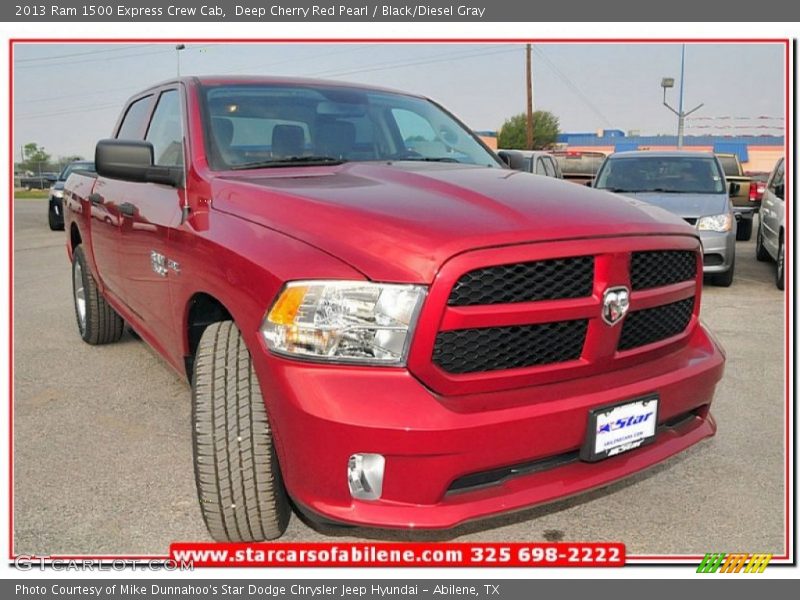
(178,49)
(669,82)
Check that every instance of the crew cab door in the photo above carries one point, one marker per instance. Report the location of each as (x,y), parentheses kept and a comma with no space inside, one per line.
(103,205)
(147,216)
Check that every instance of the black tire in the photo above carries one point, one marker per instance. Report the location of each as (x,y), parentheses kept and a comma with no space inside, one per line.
(53,221)
(761,253)
(780,279)
(724,279)
(99,323)
(744,230)
(238,478)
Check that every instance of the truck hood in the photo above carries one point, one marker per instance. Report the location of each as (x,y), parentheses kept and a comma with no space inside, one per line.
(399,222)
(687,206)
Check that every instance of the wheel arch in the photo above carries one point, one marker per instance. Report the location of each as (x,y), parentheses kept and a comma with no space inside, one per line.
(202,310)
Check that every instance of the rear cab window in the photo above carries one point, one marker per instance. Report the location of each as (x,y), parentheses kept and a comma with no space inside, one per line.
(580,163)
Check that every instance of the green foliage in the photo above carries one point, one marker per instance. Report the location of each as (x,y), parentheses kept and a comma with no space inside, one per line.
(513,133)
(36,158)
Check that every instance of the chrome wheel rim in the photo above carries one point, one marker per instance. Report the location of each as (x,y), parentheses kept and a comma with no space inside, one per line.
(79,293)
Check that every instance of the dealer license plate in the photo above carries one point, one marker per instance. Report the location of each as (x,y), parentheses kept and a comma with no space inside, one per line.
(619,428)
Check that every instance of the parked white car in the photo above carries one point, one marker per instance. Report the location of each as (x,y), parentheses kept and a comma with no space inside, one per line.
(533,161)
(770,238)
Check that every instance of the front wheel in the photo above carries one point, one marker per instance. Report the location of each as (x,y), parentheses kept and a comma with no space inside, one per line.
(761,252)
(238,478)
(724,279)
(779,271)
(744,230)
(53,220)
(98,323)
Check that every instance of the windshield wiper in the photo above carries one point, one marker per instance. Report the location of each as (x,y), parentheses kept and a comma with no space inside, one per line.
(306,161)
(657,190)
(446,159)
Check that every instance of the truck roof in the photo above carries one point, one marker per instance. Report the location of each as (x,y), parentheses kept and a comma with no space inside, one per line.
(662,154)
(194,80)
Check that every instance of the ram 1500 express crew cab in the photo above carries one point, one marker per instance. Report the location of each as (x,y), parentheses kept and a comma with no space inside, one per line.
(379,320)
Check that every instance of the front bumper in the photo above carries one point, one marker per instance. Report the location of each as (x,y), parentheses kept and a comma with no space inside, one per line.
(322,414)
(719,250)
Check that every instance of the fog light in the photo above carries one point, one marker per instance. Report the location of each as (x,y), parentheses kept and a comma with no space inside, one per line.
(365,476)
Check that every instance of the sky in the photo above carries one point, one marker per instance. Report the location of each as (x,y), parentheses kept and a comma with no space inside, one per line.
(67,96)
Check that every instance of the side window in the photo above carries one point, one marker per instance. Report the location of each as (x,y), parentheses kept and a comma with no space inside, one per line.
(133,122)
(776,185)
(540,170)
(165,131)
(549,168)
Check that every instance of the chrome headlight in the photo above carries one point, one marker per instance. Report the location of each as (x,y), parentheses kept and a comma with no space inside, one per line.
(56,193)
(720,223)
(344,321)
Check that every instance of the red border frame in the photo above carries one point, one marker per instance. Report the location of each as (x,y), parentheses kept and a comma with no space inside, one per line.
(640,559)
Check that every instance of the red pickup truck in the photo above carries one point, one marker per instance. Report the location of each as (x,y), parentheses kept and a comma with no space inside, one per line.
(378,319)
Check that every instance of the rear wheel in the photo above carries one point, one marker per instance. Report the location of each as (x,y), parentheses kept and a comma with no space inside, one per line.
(238,478)
(761,253)
(779,271)
(98,323)
(744,230)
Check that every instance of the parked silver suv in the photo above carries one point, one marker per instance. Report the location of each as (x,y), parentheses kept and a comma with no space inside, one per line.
(690,185)
(770,239)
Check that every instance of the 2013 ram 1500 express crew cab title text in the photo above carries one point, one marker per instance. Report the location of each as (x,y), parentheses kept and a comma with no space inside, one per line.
(378,319)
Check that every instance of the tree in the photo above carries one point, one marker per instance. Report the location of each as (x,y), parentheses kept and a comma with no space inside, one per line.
(35,158)
(512,135)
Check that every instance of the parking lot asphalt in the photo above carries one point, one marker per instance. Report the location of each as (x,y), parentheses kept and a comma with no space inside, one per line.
(102,440)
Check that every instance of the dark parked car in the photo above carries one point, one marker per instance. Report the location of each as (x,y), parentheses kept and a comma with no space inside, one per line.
(55,208)
(38,182)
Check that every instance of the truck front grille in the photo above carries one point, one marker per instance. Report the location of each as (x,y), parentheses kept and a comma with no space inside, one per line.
(517,316)
(494,348)
(550,279)
(655,324)
(658,268)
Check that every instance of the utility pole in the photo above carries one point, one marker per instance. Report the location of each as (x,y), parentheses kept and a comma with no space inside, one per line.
(529,79)
(178,49)
(668,82)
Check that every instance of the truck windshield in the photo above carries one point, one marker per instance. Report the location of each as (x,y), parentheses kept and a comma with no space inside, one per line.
(666,174)
(729,165)
(255,126)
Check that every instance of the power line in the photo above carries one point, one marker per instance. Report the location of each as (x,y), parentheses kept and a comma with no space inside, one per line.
(91,52)
(398,65)
(68,112)
(92,60)
(568,82)
(355,48)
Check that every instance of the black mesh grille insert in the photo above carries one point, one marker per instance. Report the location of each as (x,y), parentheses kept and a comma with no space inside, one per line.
(654,269)
(655,324)
(495,348)
(550,279)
